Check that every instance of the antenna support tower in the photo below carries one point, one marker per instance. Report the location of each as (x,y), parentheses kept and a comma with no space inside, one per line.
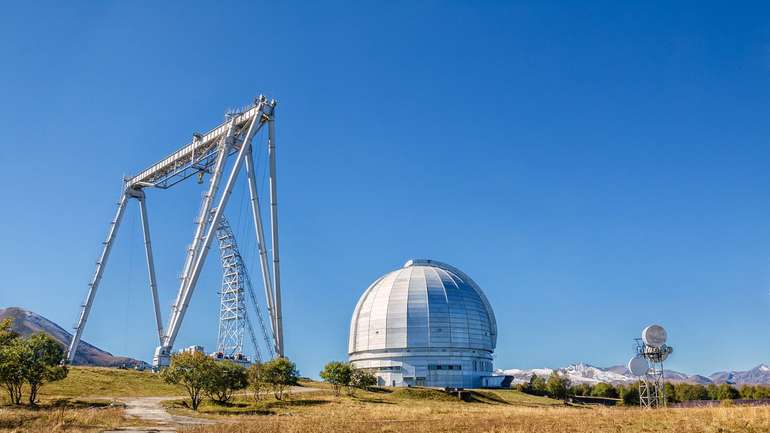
(207,153)
(652,389)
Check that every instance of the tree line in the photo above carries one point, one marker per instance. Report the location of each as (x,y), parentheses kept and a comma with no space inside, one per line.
(202,376)
(558,386)
(28,363)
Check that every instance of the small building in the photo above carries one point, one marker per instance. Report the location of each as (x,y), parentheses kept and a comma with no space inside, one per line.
(425,324)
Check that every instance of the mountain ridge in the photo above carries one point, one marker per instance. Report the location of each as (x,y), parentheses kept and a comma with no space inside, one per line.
(619,374)
(25,322)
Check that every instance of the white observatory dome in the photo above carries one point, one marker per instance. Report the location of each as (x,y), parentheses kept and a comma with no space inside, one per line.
(425,324)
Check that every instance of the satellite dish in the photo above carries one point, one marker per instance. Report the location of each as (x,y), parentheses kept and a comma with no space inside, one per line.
(654,335)
(638,366)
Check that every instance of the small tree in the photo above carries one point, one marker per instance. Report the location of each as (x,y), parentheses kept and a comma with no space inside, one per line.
(605,390)
(41,363)
(11,373)
(257,380)
(630,394)
(338,374)
(280,373)
(193,370)
(226,378)
(362,378)
(557,386)
(537,385)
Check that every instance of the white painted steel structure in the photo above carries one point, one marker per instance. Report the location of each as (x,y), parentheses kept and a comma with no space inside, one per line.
(207,153)
(426,324)
(234,319)
(651,351)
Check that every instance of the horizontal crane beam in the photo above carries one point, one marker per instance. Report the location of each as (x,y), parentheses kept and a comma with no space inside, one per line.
(200,155)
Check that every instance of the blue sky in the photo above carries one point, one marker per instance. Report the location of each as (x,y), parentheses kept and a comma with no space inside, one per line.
(595,168)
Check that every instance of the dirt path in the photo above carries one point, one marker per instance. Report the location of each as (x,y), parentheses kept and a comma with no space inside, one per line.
(151,410)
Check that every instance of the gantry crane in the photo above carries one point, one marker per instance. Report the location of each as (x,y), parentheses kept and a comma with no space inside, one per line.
(207,153)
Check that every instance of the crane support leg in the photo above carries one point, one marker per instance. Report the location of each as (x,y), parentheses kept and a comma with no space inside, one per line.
(150,263)
(201,221)
(93,286)
(274,235)
(256,215)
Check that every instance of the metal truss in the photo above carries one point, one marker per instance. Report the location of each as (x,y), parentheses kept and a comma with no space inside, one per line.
(207,153)
(652,387)
(233,314)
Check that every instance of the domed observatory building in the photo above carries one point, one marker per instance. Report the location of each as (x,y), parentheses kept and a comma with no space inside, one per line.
(426,324)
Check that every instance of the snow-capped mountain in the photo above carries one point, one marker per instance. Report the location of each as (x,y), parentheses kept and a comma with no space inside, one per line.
(757,375)
(619,374)
(577,373)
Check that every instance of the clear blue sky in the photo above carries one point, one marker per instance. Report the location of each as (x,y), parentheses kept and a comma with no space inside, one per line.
(594,168)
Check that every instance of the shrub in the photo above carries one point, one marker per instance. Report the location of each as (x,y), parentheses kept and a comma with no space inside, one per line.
(257,382)
(193,370)
(226,378)
(280,373)
(557,386)
(11,373)
(41,358)
(362,378)
(338,374)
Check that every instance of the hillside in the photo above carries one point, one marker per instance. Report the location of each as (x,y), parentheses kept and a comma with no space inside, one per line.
(25,323)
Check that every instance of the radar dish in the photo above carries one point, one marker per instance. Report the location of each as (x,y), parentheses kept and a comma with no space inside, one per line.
(654,335)
(638,366)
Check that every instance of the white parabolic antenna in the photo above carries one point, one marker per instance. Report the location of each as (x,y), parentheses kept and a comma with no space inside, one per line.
(638,366)
(654,335)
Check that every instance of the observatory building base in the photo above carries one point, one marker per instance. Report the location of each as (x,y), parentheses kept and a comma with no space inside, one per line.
(449,369)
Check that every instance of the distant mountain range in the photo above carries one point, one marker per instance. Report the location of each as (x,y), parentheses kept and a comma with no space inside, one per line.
(26,322)
(619,374)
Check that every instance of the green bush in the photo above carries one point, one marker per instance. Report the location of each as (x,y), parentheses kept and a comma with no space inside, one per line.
(280,373)
(226,378)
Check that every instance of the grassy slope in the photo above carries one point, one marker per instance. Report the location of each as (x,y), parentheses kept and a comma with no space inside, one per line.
(90,382)
(321,401)
(429,411)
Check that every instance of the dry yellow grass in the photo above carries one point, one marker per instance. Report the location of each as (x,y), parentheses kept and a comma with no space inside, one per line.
(52,420)
(323,413)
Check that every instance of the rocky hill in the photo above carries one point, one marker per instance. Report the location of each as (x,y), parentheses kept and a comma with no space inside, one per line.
(26,323)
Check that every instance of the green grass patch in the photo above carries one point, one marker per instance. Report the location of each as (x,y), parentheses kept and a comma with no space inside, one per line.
(89,382)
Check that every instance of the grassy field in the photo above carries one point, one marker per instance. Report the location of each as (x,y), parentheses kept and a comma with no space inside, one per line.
(349,417)
(71,406)
(60,419)
(83,402)
(94,382)
(426,411)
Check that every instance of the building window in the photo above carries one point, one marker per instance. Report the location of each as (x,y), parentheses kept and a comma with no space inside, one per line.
(444,367)
(390,368)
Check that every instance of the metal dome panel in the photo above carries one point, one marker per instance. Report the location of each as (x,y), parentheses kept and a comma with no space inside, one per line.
(424,305)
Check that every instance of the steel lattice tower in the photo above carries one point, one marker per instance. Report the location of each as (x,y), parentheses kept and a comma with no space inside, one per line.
(233,314)
(232,308)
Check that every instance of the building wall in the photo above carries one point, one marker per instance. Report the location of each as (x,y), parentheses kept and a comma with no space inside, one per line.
(456,369)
